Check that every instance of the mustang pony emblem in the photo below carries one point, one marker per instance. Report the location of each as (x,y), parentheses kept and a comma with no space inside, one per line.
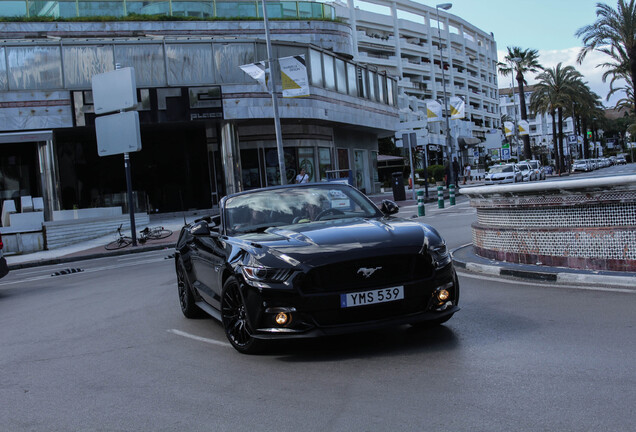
(367,272)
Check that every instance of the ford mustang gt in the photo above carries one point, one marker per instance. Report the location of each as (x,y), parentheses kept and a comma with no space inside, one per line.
(312,260)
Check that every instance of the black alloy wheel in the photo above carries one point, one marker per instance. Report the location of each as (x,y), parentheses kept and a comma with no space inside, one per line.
(235,321)
(186,297)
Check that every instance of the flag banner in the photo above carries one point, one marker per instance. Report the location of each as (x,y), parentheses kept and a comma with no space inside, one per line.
(509,128)
(293,71)
(258,72)
(524,127)
(457,108)
(433,111)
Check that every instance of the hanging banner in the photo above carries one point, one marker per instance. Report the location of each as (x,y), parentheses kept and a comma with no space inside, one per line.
(457,108)
(293,71)
(524,127)
(433,111)
(509,128)
(258,71)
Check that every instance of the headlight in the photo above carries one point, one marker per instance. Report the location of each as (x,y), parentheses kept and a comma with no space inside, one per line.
(440,255)
(259,276)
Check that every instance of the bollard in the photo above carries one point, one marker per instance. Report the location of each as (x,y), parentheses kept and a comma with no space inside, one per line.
(440,196)
(420,204)
(451,194)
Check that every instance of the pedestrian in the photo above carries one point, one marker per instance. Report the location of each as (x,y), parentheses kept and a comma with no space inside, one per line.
(302,177)
(466,173)
(456,171)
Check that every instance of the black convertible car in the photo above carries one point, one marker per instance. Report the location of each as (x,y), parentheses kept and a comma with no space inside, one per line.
(311,260)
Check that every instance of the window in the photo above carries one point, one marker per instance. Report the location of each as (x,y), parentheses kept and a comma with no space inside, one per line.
(330,78)
(315,63)
(352,79)
(341,76)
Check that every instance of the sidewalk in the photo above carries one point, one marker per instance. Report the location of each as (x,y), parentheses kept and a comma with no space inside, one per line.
(465,258)
(94,248)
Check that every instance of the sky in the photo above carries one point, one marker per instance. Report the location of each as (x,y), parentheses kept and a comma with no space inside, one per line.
(545,25)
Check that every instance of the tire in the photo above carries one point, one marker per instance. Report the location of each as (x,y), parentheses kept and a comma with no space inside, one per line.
(160,233)
(186,297)
(119,243)
(235,323)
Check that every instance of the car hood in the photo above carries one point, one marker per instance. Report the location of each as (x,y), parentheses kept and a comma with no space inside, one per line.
(323,242)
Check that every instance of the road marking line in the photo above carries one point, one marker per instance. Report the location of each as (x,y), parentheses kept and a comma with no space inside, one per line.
(198,338)
(551,285)
(86,270)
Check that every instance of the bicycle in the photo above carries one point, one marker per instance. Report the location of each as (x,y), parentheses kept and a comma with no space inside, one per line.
(155,233)
(121,242)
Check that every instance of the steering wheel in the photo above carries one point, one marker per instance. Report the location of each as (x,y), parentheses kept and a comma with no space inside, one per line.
(328,211)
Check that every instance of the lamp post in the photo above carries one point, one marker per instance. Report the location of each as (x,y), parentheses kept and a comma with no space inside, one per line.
(514,61)
(449,148)
(279,139)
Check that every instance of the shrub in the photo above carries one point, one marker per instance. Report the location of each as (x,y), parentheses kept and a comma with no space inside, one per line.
(436,172)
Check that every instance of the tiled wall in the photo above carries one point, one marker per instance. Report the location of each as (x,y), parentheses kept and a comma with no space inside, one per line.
(585,226)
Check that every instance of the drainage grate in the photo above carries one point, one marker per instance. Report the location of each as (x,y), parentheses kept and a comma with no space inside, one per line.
(68,271)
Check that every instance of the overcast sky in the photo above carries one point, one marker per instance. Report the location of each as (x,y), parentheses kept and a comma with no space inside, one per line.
(545,25)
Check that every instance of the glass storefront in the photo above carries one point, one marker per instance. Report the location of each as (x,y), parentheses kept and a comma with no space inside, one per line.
(18,172)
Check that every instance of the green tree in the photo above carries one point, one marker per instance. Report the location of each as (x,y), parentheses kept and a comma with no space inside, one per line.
(613,33)
(521,62)
(554,92)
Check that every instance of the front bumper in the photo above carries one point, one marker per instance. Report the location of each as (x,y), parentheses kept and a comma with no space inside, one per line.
(320,314)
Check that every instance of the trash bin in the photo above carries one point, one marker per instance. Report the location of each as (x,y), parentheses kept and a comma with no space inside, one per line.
(397,184)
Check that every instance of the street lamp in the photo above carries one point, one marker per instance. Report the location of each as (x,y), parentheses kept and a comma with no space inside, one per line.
(514,61)
(449,149)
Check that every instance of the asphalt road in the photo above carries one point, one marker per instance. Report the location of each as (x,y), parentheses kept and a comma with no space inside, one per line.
(107,349)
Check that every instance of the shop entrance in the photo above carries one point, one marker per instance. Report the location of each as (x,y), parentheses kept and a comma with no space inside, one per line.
(169,174)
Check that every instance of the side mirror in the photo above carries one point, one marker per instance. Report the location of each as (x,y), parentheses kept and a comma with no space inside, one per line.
(200,229)
(389,207)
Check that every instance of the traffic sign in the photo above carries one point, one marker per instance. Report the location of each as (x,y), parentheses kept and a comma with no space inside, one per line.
(505,153)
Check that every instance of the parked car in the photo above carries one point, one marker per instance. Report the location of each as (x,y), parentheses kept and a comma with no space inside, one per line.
(539,171)
(4,269)
(527,173)
(310,260)
(620,160)
(505,173)
(581,165)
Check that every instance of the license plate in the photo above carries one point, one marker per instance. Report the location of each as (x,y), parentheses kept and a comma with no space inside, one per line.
(371,297)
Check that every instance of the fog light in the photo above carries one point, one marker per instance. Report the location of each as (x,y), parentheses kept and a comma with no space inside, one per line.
(443,295)
(281,318)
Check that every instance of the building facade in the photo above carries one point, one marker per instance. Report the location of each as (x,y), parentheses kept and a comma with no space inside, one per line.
(405,41)
(541,136)
(206,126)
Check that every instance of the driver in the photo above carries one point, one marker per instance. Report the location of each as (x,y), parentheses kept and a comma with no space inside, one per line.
(310,211)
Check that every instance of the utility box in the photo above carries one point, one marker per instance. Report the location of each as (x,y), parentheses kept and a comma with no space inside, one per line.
(397,183)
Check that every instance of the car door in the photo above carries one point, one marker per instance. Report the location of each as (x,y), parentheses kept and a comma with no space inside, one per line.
(208,257)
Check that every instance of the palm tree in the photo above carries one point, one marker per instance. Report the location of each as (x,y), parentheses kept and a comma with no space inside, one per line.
(556,89)
(613,33)
(587,107)
(521,62)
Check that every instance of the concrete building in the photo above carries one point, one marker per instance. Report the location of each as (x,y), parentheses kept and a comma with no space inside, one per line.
(401,38)
(540,124)
(206,126)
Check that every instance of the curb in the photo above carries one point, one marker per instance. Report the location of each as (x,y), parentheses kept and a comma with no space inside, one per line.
(65,259)
(546,274)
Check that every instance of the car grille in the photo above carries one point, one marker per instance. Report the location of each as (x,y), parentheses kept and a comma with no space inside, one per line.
(382,271)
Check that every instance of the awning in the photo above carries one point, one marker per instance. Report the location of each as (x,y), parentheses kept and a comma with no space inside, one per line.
(468,141)
(389,158)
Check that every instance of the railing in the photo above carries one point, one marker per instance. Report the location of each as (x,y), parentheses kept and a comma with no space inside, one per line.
(176,8)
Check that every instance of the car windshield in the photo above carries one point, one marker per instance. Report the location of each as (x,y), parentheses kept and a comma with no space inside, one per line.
(579,162)
(262,209)
(523,167)
(500,169)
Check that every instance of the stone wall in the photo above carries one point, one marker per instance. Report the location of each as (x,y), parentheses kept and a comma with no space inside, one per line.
(583,224)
